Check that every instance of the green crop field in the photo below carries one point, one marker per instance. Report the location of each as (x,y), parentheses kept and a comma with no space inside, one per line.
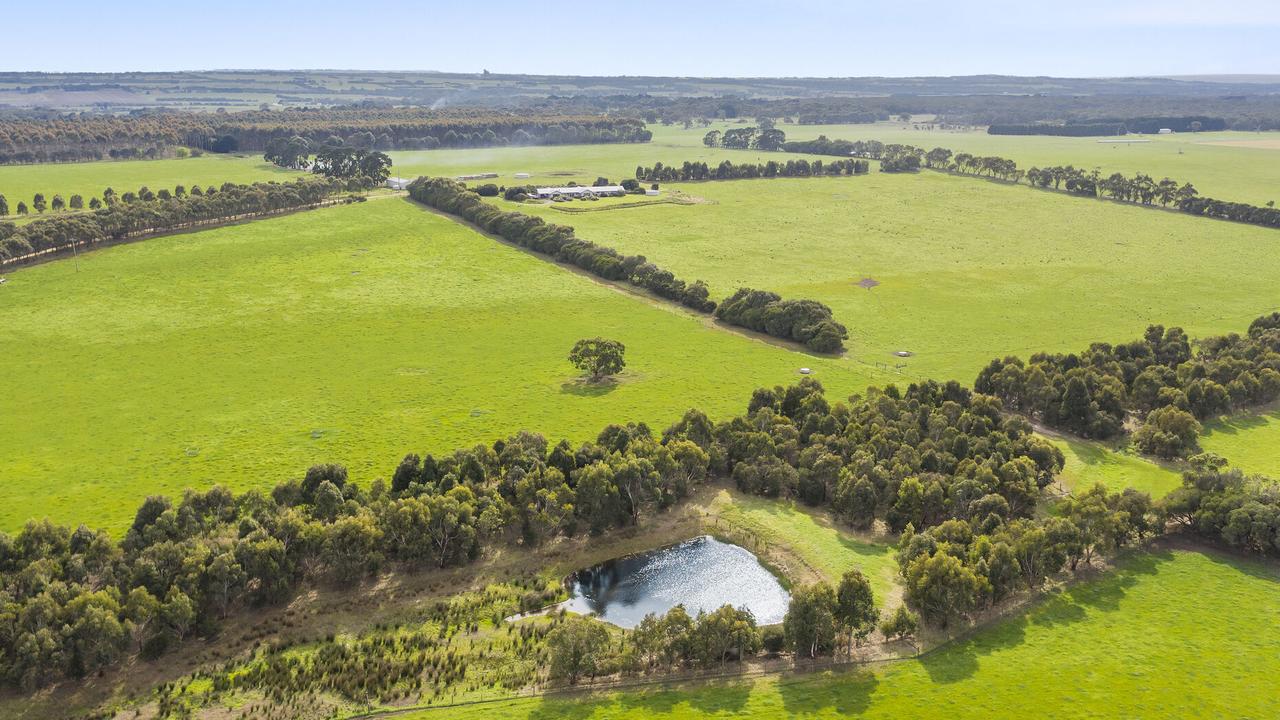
(968,270)
(21,182)
(1251,441)
(1167,634)
(242,355)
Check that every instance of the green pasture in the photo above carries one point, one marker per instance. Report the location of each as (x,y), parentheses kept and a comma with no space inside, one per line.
(1238,166)
(968,270)
(1250,441)
(89,179)
(1169,633)
(1089,463)
(242,355)
(827,549)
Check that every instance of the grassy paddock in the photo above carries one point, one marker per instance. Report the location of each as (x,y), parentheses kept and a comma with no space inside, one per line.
(1238,166)
(1089,463)
(823,548)
(1250,441)
(969,270)
(244,354)
(1171,633)
(21,182)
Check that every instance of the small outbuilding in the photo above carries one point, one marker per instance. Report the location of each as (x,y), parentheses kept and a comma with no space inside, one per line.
(1165,131)
(522,176)
(398,183)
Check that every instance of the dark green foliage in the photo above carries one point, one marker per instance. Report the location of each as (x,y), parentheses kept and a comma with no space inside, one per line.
(808,322)
(962,565)
(367,167)
(283,133)
(1227,506)
(726,170)
(1091,394)
(1088,127)
(598,356)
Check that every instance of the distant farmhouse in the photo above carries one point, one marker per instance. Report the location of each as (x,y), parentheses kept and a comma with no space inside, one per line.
(579,191)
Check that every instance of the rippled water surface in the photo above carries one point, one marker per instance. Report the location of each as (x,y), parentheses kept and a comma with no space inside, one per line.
(702,573)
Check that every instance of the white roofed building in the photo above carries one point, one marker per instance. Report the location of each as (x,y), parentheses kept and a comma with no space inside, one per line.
(580,191)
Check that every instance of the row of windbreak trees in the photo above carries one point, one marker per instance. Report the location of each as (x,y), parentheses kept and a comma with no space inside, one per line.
(1158,379)
(726,170)
(120,217)
(805,321)
(559,242)
(1140,189)
(1094,127)
(95,137)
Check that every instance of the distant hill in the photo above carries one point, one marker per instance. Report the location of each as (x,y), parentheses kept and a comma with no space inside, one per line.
(210,90)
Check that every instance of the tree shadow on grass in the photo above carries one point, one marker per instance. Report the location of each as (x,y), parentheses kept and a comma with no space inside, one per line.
(1240,423)
(808,694)
(586,387)
(959,660)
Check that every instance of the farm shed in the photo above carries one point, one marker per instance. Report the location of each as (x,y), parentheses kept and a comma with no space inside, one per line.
(577,191)
(398,183)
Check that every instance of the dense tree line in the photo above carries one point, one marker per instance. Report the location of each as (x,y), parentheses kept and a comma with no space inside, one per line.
(807,322)
(1090,127)
(916,458)
(370,167)
(762,137)
(75,600)
(726,170)
(94,137)
(558,241)
(1226,506)
(971,562)
(1158,379)
(118,216)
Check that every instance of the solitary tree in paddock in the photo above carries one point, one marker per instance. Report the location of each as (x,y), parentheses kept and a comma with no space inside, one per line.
(598,356)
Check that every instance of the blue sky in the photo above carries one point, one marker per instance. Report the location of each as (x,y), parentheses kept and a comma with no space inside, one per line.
(653,37)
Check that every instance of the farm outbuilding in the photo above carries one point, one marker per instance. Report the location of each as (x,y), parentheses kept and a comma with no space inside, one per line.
(398,183)
(579,191)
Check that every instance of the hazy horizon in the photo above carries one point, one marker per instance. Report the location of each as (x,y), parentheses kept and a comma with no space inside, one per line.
(745,39)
